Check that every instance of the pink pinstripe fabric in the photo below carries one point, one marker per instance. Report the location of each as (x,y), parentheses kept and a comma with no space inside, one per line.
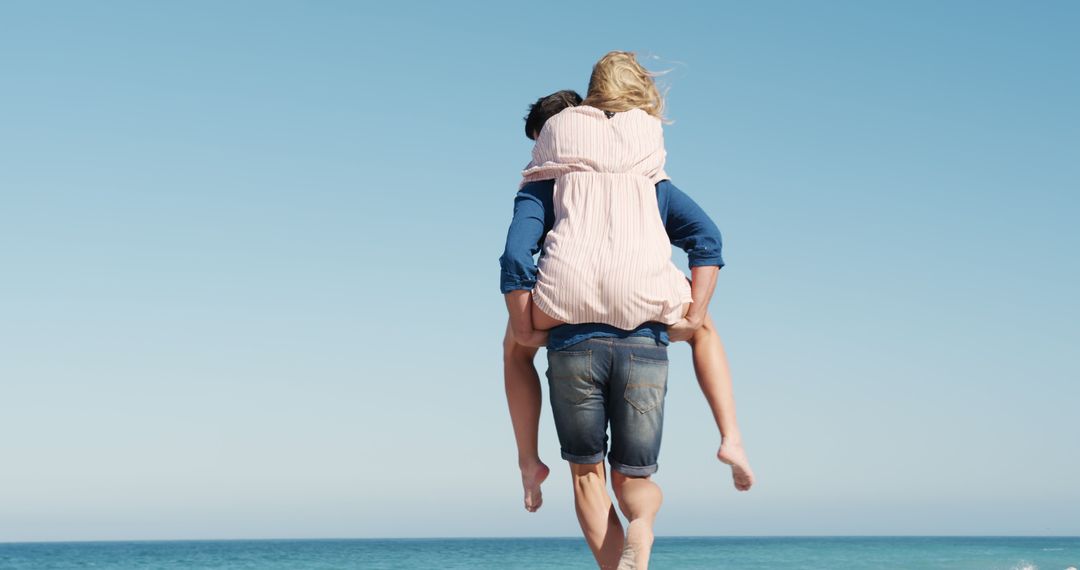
(607,259)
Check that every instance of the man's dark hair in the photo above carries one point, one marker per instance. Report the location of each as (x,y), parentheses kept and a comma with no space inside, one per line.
(547,107)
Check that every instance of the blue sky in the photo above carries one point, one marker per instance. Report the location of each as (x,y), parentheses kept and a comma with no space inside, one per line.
(249,264)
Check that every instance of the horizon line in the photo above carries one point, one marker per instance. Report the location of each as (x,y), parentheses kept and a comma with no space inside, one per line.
(576,538)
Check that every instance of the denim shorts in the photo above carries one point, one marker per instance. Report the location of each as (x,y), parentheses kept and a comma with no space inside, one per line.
(618,380)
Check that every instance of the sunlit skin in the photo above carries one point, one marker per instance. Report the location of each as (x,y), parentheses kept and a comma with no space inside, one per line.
(524,397)
(639,497)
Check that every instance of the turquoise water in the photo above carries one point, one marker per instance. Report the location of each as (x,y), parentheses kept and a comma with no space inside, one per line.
(834,553)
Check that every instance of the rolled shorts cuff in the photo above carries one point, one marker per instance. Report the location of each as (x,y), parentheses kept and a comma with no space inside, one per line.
(584,459)
(634,470)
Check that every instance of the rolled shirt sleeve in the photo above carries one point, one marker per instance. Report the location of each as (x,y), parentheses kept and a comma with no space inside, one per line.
(533,217)
(689,227)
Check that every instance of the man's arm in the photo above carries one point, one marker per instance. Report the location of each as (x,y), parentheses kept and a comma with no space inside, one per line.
(702,284)
(690,228)
(533,217)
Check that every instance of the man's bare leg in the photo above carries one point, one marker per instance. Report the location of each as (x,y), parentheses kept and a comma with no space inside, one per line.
(639,500)
(523,396)
(599,522)
(714,378)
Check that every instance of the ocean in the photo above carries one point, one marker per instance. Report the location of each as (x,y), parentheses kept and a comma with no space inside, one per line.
(833,553)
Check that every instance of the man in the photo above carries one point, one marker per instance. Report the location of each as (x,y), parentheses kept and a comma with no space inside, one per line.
(592,365)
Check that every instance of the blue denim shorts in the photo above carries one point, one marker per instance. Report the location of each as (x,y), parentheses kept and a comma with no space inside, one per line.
(618,380)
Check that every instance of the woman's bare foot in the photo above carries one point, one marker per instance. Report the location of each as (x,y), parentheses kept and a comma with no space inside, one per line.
(733,454)
(532,475)
(639,541)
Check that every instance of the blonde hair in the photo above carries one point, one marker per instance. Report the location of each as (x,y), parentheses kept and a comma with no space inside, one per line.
(620,83)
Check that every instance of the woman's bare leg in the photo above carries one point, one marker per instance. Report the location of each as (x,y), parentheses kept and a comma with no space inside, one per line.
(523,396)
(522,385)
(714,378)
(599,522)
(542,321)
(528,323)
(639,500)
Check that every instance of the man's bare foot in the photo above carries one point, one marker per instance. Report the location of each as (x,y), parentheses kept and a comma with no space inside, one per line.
(733,454)
(532,475)
(638,547)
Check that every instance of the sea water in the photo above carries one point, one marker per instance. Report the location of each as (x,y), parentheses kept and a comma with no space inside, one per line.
(833,553)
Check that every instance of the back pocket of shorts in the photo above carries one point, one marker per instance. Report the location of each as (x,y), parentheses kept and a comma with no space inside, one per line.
(570,375)
(646,383)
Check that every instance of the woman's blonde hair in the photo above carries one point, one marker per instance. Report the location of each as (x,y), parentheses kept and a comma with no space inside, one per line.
(620,83)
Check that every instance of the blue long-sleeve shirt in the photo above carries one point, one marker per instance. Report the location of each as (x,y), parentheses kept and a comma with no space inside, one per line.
(687,225)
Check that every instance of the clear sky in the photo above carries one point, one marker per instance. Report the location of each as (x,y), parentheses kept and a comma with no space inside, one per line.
(249,276)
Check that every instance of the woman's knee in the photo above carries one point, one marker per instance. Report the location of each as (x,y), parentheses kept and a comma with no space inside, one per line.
(704,333)
(514,352)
